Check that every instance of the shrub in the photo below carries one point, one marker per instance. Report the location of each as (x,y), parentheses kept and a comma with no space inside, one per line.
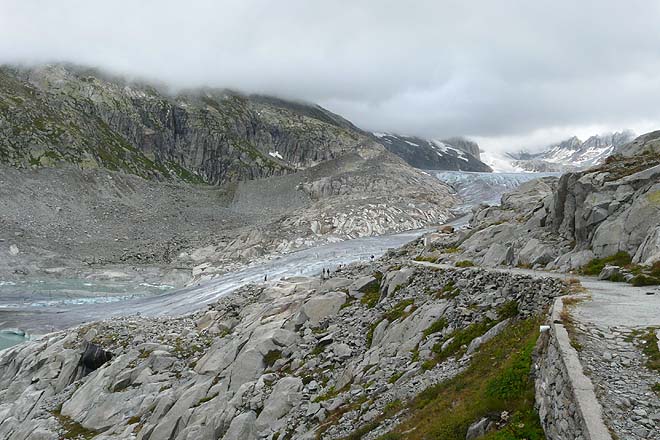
(595,266)
(271,357)
(436,327)
(398,311)
(644,280)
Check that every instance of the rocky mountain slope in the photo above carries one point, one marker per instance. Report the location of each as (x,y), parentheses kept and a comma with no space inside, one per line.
(565,223)
(572,154)
(61,113)
(449,154)
(364,353)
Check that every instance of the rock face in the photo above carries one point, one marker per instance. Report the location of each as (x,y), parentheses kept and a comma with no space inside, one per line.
(291,359)
(450,154)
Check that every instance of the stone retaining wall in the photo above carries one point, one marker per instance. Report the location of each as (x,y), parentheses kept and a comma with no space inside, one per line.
(565,397)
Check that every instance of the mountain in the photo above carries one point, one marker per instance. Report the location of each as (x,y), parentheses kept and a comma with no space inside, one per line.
(124,173)
(456,154)
(61,113)
(572,153)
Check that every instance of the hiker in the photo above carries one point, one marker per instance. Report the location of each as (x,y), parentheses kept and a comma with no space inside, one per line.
(265,277)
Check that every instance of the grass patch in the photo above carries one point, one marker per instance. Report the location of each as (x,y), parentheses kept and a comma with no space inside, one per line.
(451,250)
(398,311)
(449,291)
(271,357)
(595,266)
(437,326)
(396,376)
(568,321)
(372,294)
(428,258)
(370,332)
(464,263)
(73,429)
(644,280)
(460,339)
(650,349)
(497,380)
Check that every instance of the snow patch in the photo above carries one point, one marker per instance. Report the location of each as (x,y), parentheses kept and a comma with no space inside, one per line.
(275,154)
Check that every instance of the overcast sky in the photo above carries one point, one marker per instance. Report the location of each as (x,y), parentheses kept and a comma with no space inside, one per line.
(507,73)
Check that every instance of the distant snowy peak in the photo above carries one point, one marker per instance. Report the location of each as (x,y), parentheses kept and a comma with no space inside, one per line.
(572,153)
(432,154)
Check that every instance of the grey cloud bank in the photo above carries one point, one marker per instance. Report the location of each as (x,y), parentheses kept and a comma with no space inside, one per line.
(502,72)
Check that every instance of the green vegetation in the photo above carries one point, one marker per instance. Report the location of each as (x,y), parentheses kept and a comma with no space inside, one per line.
(372,292)
(398,311)
(507,310)
(73,429)
(595,266)
(464,263)
(393,378)
(370,332)
(451,250)
(644,280)
(460,339)
(271,357)
(449,291)
(427,258)
(497,380)
(650,349)
(436,327)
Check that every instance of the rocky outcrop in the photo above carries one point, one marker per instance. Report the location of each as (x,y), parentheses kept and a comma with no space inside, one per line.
(293,359)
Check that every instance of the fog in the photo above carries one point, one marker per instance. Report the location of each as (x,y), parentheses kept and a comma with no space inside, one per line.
(509,74)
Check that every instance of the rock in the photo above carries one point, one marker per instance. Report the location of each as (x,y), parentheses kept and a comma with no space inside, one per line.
(242,427)
(498,254)
(361,285)
(13,250)
(285,395)
(93,357)
(610,273)
(477,429)
(319,307)
(534,252)
(395,279)
(490,334)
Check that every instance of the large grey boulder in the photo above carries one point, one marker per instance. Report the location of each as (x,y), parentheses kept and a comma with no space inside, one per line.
(285,395)
(242,427)
(497,255)
(320,307)
(534,252)
(395,279)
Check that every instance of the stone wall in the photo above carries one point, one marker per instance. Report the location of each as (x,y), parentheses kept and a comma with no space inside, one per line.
(565,397)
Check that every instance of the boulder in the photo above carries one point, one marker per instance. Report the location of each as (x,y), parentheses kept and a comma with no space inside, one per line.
(534,252)
(285,395)
(319,307)
(395,279)
(242,427)
(490,334)
(610,273)
(497,255)
(93,357)
(13,250)
(361,285)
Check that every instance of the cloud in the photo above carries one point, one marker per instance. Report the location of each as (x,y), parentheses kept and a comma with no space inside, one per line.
(491,70)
